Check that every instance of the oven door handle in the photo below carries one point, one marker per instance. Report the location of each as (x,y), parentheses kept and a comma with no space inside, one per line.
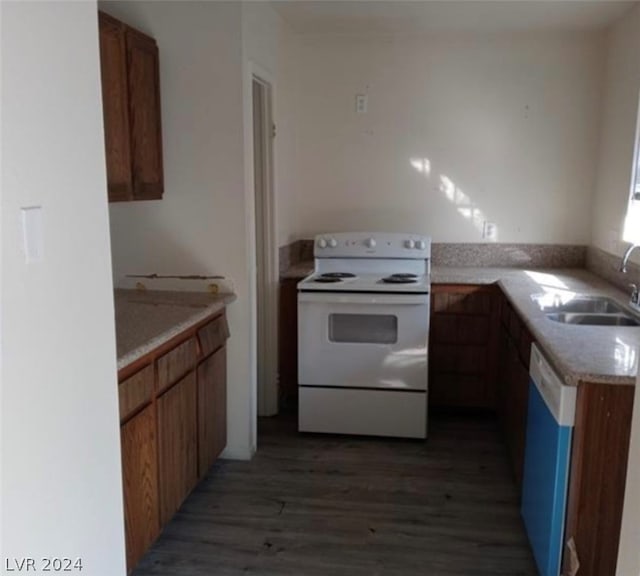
(370,298)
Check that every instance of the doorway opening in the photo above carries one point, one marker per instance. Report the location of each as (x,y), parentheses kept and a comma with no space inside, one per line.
(266,262)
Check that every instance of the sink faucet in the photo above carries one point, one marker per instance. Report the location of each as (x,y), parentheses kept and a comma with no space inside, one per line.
(625,258)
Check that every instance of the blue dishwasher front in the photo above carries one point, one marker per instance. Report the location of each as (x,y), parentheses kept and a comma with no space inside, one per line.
(550,418)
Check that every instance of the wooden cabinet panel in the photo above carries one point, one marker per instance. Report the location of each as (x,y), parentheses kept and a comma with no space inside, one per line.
(517,402)
(135,391)
(131,107)
(213,335)
(177,443)
(140,482)
(288,341)
(459,359)
(514,346)
(115,104)
(462,346)
(144,108)
(176,363)
(458,390)
(598,475)
(212,413)
(461,299)
(449,328)
(524,346)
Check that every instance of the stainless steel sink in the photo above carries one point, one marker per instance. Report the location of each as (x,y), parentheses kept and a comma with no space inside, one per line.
(584,319)
(587,305)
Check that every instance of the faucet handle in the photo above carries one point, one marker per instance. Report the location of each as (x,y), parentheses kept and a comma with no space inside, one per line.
(635,294)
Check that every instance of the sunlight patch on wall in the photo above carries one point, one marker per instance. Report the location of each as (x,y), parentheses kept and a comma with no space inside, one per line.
(465,206)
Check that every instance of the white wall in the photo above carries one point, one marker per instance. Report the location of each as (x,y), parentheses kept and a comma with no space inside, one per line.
(200,226)
(270,43)
(510,120)
(620,106)
(61,480)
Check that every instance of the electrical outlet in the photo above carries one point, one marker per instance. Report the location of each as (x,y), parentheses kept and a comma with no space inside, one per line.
(490,231)
(614,240)
(361,103)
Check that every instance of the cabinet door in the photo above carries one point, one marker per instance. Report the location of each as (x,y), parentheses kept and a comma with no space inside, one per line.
(517,402)
(140,484)
(212,409)
(177,435)
(144,111)
(462,347)
(288,341)
(599,459)
(115,108)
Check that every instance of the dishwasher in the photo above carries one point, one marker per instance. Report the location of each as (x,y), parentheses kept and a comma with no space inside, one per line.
(550,418)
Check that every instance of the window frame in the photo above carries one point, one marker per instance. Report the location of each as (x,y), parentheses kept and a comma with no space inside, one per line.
(632,215)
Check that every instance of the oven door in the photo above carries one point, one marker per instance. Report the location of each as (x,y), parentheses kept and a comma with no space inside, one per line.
(363,340)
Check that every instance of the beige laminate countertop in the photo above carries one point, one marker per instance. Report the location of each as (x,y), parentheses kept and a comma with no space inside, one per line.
(147,319)
(606,354)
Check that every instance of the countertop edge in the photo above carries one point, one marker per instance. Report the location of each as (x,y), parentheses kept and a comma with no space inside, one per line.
(137,353)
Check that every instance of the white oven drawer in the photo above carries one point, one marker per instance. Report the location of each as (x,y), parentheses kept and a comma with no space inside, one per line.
(363,340)
(357,411)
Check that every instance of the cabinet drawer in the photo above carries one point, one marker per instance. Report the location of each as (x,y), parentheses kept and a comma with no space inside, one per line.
(213,335)
(176,363)
(135,391)
(470,300)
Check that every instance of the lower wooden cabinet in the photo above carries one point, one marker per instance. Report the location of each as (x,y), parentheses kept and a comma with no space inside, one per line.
(212,416)
(514,349)
(288,342)
(140,482)
(177,445)
(462,346)
(514,385)
(597,477)
(173,427)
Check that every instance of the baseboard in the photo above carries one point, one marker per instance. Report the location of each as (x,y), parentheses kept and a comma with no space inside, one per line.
(238,453)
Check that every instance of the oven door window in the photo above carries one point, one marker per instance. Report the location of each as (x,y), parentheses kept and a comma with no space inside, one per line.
(363,328)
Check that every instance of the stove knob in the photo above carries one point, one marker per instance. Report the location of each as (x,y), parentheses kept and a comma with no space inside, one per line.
(370,243)
(409,244)
(322,243)
(420,245)
(333,242)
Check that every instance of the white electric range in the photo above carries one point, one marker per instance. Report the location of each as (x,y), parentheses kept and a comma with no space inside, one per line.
(363,325)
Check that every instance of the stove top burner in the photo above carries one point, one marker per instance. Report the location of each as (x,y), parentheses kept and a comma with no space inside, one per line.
(325,280)
(399,279)
(337,275)
(404,275)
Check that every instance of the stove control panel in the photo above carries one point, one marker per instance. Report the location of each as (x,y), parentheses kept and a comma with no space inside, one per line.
(372,245)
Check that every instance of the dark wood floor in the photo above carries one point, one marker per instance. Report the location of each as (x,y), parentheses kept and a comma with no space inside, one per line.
(333,505)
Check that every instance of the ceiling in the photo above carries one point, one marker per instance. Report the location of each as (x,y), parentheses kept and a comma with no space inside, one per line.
(432,16)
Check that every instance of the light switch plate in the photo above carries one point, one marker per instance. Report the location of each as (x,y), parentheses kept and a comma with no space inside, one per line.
(32,234)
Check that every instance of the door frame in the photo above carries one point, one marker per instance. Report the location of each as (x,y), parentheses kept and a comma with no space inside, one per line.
(267,393)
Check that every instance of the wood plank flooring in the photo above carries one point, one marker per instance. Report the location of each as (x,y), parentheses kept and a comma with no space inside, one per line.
(314,505)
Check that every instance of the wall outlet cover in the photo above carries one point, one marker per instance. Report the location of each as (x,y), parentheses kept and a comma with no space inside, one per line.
(490,231)
(362,101)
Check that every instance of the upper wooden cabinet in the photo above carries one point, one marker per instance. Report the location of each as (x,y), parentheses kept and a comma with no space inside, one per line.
(131,105)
